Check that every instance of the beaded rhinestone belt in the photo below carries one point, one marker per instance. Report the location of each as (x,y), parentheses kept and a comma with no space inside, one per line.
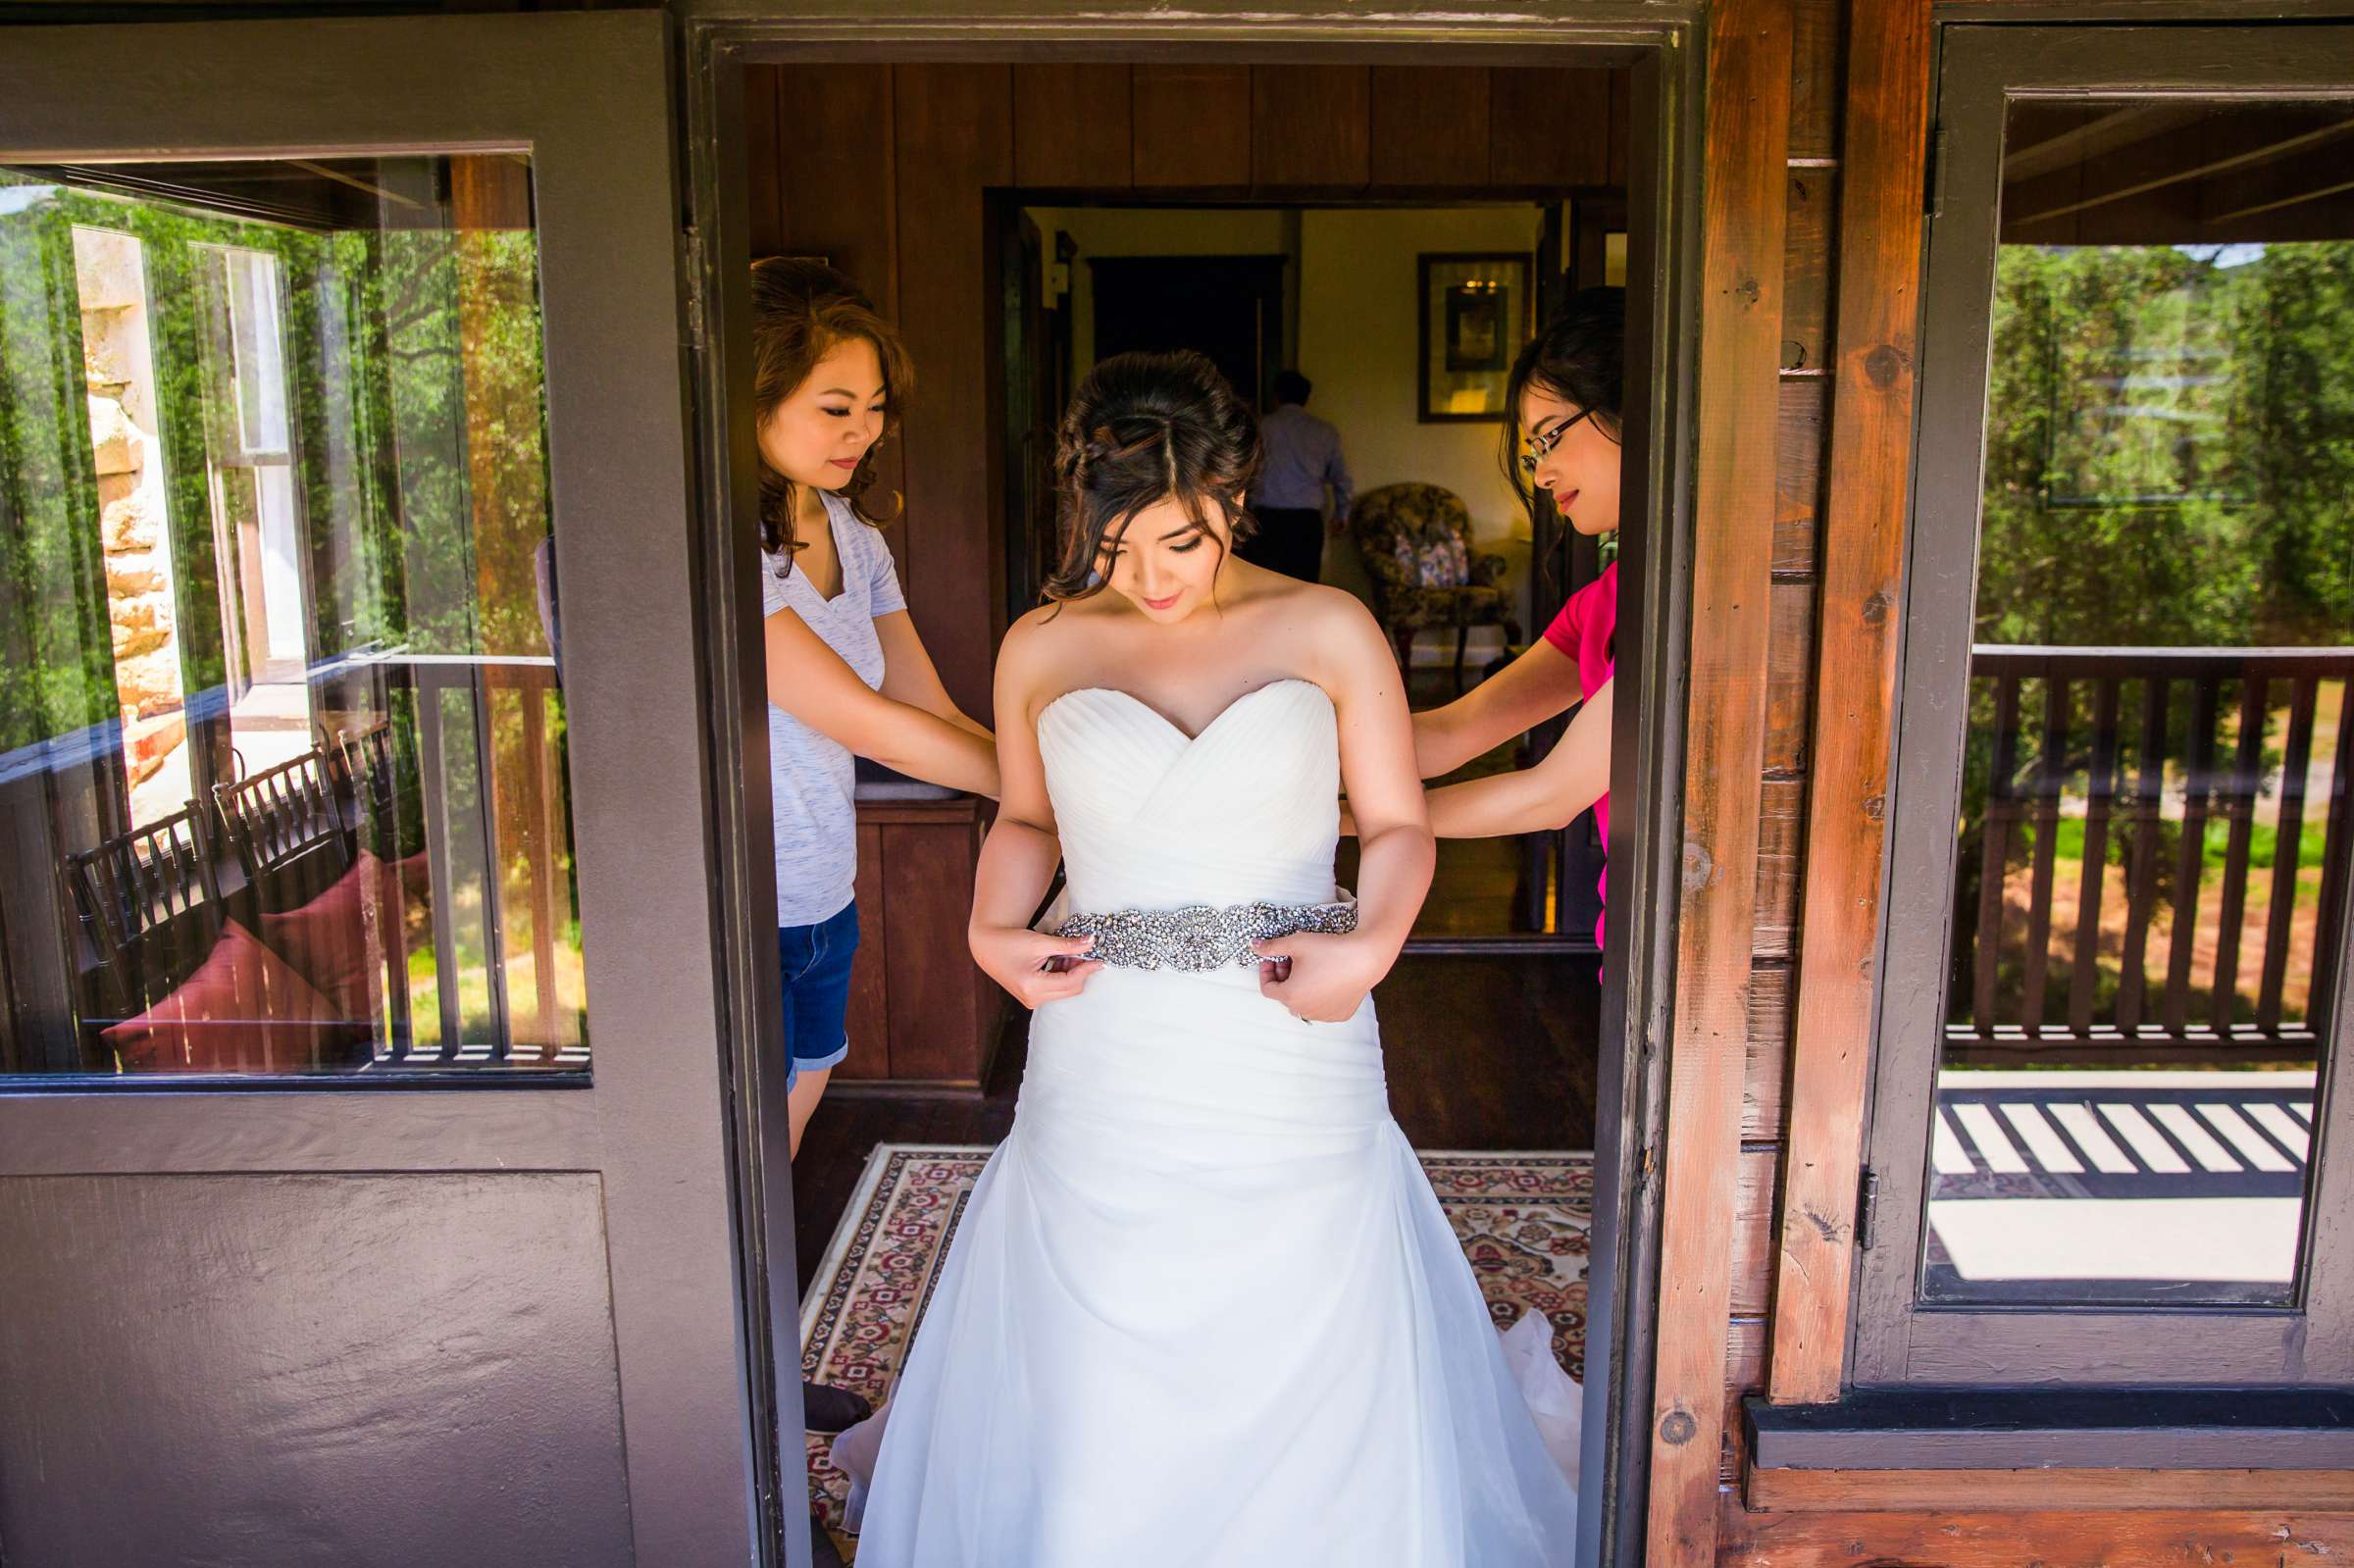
(1198,938)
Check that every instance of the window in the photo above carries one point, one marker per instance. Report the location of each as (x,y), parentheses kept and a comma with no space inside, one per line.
(2114,1014)
(282,737)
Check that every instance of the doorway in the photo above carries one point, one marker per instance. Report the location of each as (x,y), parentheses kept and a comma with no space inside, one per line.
(903,233)
(1228,307)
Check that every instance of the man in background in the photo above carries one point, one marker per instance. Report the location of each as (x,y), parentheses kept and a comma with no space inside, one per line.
(1302,458)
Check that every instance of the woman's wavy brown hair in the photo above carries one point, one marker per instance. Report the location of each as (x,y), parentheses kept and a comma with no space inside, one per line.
(1142,429)
(801,311)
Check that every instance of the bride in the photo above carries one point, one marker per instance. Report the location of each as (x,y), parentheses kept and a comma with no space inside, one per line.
(1203,1306)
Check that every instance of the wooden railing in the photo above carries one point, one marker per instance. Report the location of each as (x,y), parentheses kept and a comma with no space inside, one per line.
(2133,740)
(479,827)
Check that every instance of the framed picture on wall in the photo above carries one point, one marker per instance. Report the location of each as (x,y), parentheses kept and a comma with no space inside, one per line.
(1476,312)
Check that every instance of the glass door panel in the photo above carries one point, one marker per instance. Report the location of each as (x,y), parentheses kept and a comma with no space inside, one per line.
(2152,845)
(296,734)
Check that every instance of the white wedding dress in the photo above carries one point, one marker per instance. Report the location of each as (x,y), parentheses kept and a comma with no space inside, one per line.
(1202,1309)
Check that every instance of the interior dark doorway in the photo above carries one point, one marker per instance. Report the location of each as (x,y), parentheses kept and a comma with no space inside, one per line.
(1228,307)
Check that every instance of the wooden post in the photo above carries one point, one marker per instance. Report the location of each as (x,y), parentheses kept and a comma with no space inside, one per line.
(1862,550)
(1747,109)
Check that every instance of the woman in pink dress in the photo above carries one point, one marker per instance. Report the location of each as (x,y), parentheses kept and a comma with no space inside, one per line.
(1565,394)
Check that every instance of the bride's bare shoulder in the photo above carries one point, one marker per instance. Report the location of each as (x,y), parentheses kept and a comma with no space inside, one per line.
(1321,611)
(1039,647)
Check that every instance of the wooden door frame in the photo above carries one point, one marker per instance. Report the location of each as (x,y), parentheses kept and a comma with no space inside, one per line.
(1649,1003)
(649,1117)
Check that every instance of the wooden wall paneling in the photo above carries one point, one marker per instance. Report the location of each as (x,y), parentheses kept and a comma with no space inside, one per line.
(1862,546)
(1310,128)
(954,136)
(1807,269)
(1734,502)
(835,185)
(1621,136)
(1814,79)
(870,967)
(1072,128)
(1750,1238)
(1764,1079)
(1789,677)
(1781,817)
(1780,1489)
(2065,1539)
(762,176)
(1798,472)
(1193,126)
(837,198)
(928,886)
(1428,127)
(1549,126)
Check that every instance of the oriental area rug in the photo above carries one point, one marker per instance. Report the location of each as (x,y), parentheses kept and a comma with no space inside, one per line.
(1523,1219)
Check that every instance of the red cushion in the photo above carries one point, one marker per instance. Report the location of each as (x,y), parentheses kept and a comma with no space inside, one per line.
(243,1010)
(344,940)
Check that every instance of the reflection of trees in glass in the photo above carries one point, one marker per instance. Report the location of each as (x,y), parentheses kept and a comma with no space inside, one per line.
(2169,462)
(57,671)
(413,362)
(2170,447)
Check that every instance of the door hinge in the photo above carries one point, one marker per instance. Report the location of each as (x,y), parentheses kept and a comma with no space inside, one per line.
(691,257)
(1868,1208)
(1932,183)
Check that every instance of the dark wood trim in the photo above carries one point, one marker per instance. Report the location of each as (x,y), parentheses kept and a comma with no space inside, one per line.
(1645,858)
(1860,546)
(1979,1429)
(1785,1490)
(1747,109)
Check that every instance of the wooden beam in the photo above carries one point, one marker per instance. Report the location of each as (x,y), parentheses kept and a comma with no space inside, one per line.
(1747,117)
(2067,1537)
(1862,551)
(2196,152)
(2100,135)
(1767,1489)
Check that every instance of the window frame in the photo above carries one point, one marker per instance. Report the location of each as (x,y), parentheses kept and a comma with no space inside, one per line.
(1895,1339)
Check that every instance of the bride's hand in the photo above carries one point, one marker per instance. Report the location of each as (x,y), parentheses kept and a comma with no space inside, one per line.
(1322,979)
(1017,958)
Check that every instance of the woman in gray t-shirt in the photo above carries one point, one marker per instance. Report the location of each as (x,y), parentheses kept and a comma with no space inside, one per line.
(847,672)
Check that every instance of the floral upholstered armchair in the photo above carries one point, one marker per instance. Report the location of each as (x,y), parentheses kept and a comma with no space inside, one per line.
(1416,541)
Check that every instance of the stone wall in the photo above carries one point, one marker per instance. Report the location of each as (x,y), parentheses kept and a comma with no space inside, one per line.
(119,368)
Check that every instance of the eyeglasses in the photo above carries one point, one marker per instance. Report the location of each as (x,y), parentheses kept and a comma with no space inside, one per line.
(1539,445)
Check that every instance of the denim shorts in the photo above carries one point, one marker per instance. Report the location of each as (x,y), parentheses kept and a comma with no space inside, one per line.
(816,965)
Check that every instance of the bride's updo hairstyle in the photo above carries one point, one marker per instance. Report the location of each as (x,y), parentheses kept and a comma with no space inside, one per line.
(1142,429)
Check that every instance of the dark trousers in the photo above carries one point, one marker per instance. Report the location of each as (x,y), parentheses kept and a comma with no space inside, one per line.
(1290,539)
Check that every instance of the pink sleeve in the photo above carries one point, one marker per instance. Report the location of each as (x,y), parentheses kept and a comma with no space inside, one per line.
(1563,634)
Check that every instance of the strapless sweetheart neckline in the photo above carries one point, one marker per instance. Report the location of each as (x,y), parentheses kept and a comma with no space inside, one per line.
(1175,728)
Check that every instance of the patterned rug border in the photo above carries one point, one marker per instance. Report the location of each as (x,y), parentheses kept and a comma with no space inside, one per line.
(878,1161)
